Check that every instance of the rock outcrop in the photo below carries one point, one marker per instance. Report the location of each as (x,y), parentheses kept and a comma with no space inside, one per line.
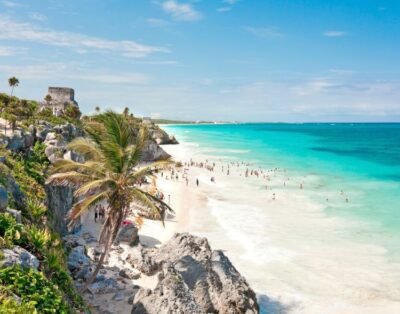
(161,137)
(195,272)
(59,202)
(128,233)
(19,256)
(172,295)
(19,141)
(3,198)
(153,152)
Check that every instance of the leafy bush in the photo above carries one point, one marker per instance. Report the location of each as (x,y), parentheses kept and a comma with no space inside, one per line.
(38,237)
(8,304)
(36,209)
(31,286)
(10,231)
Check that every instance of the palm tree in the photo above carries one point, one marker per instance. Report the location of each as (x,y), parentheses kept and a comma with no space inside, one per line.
(111,174)
(97,109)
(126,111)
(13,81)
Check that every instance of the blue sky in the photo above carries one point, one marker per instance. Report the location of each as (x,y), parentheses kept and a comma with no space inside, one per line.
(247,60)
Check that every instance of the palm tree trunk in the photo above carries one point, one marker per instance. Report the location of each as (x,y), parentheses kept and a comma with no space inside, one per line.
(12,90)
(99,264)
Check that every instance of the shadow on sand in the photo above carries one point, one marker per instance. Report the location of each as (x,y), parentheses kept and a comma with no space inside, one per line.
(148,241)
(273,306)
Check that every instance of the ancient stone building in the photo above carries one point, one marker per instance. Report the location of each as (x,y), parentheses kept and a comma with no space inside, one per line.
(60,98)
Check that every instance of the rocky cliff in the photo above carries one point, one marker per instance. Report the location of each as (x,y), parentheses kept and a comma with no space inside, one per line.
(192,279)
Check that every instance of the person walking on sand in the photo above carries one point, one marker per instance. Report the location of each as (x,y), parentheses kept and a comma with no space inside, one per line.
(96,213)
(273,196)
(187,181)
(197,182)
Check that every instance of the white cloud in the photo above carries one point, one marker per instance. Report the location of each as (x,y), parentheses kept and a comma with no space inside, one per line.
(231,2)
(334,33)
(8,51)
(10,4)
(120,78)
(224,9)
(181,11)
(264,32)
(63,71)
(153,22)
(12,30)
(38,16)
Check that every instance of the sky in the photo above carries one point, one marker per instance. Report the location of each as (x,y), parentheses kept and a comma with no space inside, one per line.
(222,60)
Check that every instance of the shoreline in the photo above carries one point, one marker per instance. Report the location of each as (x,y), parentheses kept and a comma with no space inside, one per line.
(341,271)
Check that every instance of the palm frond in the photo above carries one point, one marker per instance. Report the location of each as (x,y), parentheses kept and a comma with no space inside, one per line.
(146,201)
(137,149)
(149,169)
(85,147)
(72,179)
(93,186)
(81,206)
(89,167)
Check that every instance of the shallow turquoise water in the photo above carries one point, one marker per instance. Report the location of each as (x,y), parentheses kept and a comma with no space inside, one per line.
(363,160)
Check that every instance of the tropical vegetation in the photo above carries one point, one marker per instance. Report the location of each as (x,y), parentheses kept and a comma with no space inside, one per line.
(111,174)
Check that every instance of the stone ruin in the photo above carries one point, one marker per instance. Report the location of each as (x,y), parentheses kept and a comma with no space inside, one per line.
(61,97)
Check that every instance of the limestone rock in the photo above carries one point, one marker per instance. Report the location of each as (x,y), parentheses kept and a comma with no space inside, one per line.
(214,283)
(12,187)
(108,285)
(129,274)
(71,241)
(59,202)
(78,259)
(3,198)
(171,296)
(19,256)
(15,213)
(128,233)
(153,152)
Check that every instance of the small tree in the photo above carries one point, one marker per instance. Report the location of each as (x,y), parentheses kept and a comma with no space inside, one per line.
(72,111)
(48,99)
(13,81)
(97,109)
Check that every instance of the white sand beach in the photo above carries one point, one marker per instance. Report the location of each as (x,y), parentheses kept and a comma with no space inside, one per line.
(295,257)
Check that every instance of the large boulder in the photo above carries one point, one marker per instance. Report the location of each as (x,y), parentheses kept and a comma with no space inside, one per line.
(19,141)
(153,152)
(161,137)
(172,295)
(59,202)
(12,187)
(213,282)
(3,198)
(77,259)
(19,256)
(128,233)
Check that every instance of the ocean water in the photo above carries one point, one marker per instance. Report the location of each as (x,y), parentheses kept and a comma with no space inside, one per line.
(344,224)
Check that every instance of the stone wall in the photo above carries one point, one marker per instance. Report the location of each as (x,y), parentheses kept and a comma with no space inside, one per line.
(62,94)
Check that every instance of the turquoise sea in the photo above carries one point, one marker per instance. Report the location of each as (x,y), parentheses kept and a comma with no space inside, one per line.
(361,159)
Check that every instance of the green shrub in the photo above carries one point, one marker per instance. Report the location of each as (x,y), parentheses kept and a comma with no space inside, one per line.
(39,238)
(36,209)
(8,304)
(10,231)
(31,286)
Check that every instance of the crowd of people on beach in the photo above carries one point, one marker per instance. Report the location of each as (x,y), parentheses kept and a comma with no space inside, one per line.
(243,169)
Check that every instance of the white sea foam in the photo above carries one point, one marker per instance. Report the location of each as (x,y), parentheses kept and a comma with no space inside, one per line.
(288,248)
